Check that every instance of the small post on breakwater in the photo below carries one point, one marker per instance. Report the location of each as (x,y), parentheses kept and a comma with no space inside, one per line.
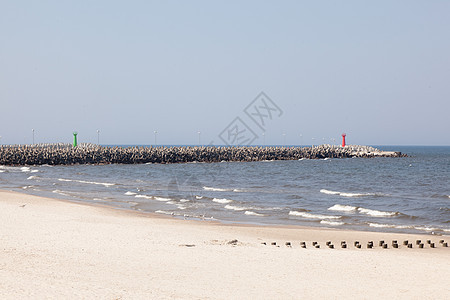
(343,139)
(75,143)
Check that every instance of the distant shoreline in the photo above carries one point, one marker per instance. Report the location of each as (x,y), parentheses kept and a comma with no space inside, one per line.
(66,154)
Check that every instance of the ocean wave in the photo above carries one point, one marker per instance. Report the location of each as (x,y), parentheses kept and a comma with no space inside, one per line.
(164,212)
(198,197)
(16,169)
(178,205)
(87,182)
(32,177)
(143,196)
(324,191)
(343,194)
(339,207)
(161,198)
(60,193)
(223,201)
(184,200)
(252,213)
(415,227)
(238,191)
(130,193)
(311,216)
(238,208)
(367,211)
(206,188)
(377,213)
(331,223)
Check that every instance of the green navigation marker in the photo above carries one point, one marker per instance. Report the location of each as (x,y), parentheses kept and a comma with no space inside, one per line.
(75,138)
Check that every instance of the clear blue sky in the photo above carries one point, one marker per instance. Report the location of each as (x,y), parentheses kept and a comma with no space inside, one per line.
(377,70)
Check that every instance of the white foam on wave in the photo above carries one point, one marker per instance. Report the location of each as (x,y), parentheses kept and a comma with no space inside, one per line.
(206,188)
(238,208)
(331,223)
(161,199)
(60,193)
(343,194)
(311,216)
(339,207)
(184,200)
(421,228)
(376,213)
(164,212)
(130,193)
(252,213)
(381,225)
(34,171)
(32,177)
(198,197)
(367,211)
(324,191)
(87,182)
(223,201)
(15,169)
(238,191)
(144,196)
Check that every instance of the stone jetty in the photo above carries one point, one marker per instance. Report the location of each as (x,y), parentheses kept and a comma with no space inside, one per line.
(66,154)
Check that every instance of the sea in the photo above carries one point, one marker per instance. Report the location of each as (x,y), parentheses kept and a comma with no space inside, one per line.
(407,195)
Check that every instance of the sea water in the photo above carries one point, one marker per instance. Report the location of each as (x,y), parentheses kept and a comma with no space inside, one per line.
(410,194)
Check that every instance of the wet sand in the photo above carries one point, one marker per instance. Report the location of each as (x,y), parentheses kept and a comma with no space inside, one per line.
(57,249)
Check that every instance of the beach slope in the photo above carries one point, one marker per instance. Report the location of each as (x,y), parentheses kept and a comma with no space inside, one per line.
(56,249)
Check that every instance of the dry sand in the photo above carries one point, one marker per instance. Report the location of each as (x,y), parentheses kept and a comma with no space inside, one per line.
(56,249)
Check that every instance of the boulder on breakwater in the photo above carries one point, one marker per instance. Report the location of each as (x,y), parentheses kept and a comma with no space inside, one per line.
(66,154)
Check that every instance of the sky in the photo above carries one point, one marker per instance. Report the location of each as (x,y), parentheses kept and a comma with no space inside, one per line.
(377,70)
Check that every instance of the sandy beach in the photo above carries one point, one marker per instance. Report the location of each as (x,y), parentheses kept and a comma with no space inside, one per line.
(57,249)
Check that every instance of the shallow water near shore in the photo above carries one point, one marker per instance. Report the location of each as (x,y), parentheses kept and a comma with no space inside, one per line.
(408,194)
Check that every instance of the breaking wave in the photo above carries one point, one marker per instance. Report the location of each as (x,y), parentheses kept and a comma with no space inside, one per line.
(367,211)
(144,196)
(223,201)
(206,188)
(311,216)
(338,207)
(60,193)
(252,213)
(238,208)
(343,194)
(377,213)
(87,182)
(161,199)
(421,228)
(331,223)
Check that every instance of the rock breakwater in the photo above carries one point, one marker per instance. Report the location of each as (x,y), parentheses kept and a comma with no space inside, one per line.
(66,154)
